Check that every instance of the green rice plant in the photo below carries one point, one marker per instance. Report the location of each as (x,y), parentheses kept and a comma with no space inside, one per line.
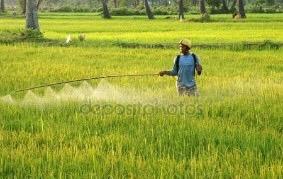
(234,129)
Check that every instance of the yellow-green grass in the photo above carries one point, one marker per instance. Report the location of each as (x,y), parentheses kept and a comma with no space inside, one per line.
(141,30)
(234,129)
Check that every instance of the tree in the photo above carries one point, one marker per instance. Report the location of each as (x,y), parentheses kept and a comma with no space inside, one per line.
(224,6)
(215,4)
(31,15)
(194,2)
(23,5)
(2,6)
(106,13)
(115,3)
(241,8)
(232,8)
(270,2)
(181,10)
(202,6)
(136,3)
(148,10)
(38,4)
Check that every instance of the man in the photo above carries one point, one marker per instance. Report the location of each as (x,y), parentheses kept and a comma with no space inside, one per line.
(184,67)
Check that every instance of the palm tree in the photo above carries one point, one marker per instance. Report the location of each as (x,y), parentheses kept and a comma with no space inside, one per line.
(23,5)
(148,10)
(241,9)
(106,13)
(232,8)
(181,10)
(202,6)
(115,3)
(2,4)
(38,4)
(224,6)
(31,15)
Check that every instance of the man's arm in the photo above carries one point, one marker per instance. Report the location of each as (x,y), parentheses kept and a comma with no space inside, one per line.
(198,66)
(173,72)
(162,73)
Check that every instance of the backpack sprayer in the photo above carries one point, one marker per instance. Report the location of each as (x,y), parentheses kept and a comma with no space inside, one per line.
(83,79)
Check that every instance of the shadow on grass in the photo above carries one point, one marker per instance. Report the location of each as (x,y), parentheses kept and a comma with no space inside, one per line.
(263,45)
(8,37)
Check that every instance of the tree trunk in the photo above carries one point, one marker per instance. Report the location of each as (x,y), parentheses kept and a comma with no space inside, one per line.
(148,10)
(106,13)
(224,6)
(194,2)
(116,3)
(31,15)
(202,6)
(24,6)
(241,8)
(2,6)
(38,4)
(232,8)
(136,3)
(181,10)
(90,3)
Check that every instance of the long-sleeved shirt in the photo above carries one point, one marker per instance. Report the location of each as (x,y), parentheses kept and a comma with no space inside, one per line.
(186,73)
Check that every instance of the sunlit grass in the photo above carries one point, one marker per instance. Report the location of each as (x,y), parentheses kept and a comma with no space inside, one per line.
(141,30)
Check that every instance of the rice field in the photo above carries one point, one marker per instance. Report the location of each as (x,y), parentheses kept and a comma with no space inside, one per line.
(138,127)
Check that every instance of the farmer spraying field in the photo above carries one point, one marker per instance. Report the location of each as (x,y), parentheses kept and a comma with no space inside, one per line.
(184,68)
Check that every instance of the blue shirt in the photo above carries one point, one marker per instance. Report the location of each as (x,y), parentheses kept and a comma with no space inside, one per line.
(186,73)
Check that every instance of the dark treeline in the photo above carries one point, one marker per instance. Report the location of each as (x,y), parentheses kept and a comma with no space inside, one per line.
(159,7)
(238,8)
(30,8)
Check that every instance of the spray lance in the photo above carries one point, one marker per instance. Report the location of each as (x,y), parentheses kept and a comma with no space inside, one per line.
(83,79)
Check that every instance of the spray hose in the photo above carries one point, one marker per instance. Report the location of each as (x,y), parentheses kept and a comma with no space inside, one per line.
(83,79)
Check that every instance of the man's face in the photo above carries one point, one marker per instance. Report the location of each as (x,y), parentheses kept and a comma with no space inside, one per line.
(183,48)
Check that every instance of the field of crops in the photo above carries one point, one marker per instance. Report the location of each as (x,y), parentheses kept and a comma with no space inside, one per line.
(138,126)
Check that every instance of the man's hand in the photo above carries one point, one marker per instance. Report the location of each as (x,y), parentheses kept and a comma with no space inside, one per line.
(198,69)
(162,73)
